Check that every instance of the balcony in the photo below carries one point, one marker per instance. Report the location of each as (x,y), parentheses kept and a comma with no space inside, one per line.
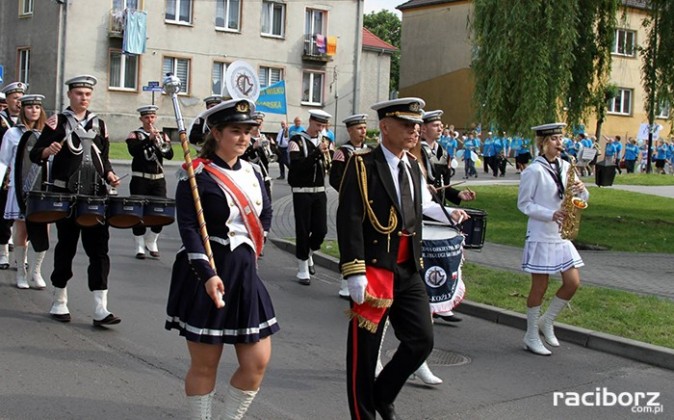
(316,49)
(116,23)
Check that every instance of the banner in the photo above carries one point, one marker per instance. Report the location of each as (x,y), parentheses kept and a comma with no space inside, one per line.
(272,99)
(643,131)
(442,272)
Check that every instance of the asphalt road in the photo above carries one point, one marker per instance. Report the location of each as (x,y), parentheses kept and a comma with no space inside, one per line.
(134,370)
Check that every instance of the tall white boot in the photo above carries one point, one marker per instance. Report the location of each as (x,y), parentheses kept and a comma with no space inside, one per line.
(140,246)
(237,402)
(20,255)
(303,272)
(4,257)
(101,314)
(59,307)
(35,279)
(424,373)
(532,341)
(344,289)
(200,406)
(151,243)
(545,324)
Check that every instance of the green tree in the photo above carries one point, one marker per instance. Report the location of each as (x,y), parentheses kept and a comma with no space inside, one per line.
(535,57)
(386,25)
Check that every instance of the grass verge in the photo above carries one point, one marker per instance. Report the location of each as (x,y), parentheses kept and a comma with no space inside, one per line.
(119,151)
(643,318)
(643,179)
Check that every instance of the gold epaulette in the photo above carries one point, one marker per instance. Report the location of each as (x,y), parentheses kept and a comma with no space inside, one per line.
(362,151)
(352,268)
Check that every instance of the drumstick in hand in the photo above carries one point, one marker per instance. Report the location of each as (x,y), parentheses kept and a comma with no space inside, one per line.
(450,186)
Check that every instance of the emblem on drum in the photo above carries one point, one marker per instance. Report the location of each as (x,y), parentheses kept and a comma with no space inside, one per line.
(435,277)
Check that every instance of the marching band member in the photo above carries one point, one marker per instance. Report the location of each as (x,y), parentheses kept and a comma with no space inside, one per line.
(255,153)
(356,126)
(197,130)
(8,119)
(3,101)
(379,233)
(540,196)
(78,140)
(31,117)
(307,180)
(228,304)
(148,148)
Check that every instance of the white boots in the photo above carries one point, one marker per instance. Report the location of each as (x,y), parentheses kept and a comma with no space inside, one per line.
(200,406)
(424,373)
(546,322)
(151,243)
(532,341)
(59,308)
(140,246)
(20,255)
(101,314)
(35,279)
(303,275)
(4,257)
(237,402)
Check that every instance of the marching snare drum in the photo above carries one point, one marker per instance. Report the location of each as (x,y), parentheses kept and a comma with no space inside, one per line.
(89,210)
(432,231)
(158,211)
(47,207)
(125,212)
(474,228)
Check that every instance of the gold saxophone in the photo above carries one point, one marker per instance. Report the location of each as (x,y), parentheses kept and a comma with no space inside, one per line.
(572,205)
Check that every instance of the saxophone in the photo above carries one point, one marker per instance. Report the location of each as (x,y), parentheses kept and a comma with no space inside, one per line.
(572,205)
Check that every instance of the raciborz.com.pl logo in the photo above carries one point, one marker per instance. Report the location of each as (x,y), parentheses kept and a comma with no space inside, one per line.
(636,402)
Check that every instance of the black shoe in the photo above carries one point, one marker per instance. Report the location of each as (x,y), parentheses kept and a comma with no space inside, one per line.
(281,177)
(386,411)
(305,282)
(448,318)
(312,270)
(61,317)
(140,256)
(108,320)
(4,266)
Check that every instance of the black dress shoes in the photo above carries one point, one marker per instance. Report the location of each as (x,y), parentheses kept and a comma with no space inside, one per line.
(386,411)
(108,320)
(61,317)
(448,318)
(312,270)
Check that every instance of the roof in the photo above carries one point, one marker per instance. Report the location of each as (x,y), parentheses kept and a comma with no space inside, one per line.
(371,40)
(639,4)
(411,4)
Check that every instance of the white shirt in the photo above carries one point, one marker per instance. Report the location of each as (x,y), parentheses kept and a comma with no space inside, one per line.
(281,139)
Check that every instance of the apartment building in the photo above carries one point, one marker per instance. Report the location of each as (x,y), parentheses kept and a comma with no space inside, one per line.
(315,46)
(436,53)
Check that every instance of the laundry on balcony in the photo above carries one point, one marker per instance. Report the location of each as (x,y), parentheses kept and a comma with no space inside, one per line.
(135,32)
(320,43)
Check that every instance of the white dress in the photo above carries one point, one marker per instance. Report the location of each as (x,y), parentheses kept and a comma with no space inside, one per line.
(10,143)
(545,251)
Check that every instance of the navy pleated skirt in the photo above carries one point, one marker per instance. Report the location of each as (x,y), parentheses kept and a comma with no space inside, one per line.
(248,315)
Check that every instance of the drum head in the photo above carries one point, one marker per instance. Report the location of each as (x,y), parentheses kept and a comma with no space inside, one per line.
(27,175)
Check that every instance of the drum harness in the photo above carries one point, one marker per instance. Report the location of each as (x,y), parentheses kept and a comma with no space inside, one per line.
(150,155)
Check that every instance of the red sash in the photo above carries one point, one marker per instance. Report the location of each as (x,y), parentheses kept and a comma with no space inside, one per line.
(248,213)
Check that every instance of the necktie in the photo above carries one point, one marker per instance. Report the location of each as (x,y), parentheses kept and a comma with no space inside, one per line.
(406,202)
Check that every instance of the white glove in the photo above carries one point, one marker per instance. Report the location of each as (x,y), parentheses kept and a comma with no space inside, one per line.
(357,285)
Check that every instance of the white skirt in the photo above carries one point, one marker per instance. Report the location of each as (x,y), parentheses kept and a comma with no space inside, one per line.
(550,257)
(12,210)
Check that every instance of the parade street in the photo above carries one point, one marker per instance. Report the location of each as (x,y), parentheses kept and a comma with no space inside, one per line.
(135,370)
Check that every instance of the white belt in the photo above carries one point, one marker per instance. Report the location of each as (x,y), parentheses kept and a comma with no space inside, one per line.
(147,176)
(308,189)
(60,184)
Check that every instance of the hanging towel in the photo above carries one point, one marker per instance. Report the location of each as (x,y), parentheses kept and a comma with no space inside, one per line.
(135,30)
(320,43)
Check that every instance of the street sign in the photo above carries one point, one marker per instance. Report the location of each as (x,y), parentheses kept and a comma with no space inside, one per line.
(2,73)
(153,84)
(152,89)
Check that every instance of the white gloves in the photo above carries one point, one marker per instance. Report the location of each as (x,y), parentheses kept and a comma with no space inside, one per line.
(357,285)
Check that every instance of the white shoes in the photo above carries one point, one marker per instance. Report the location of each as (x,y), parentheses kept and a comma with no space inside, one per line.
(151,243)
(35,279)
(532,341)
(237,402)
(303,275)
(59,308)
(20,255)
(546,323)
(424,373)
(140,246)
(200,406)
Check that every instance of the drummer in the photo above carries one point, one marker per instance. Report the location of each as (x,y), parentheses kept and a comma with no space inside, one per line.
(148,147)
(78,140)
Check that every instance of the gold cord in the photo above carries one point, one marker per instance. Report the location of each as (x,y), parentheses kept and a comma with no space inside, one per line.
(392,218)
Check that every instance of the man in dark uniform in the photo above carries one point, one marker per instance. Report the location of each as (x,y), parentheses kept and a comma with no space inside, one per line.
(8,118)
(198,129)
(306,176)
(379,233)
(255,153)
(356,126)
(148,147)
(78,140)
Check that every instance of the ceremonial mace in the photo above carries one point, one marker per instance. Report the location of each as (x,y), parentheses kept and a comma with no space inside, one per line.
(172,87)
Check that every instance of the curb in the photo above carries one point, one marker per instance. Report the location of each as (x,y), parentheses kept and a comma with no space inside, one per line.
(631,349)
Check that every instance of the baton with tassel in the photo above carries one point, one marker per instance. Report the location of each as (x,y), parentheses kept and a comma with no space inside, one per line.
(172,87)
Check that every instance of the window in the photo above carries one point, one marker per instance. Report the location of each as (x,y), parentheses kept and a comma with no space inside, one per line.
(622,103)
(312,88)
(624,43)
(24,65)
(180,67)
(273,18)
(125,4)
(123,71)
(664,110)
(227,14)
(269,75)
(218,78)
(314,22)
(178,11)
(26,7)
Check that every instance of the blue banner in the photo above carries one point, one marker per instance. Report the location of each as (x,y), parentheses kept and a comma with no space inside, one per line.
(272,99)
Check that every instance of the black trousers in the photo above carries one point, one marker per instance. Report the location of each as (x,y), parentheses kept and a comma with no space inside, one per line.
(153,187)
(95,243)
(283,161)
(410,318)
(5,225)
(311,222)
(38,235)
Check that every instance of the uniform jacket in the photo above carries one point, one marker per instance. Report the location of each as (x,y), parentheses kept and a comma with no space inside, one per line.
(307,166)
(339,160)
(147,157)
